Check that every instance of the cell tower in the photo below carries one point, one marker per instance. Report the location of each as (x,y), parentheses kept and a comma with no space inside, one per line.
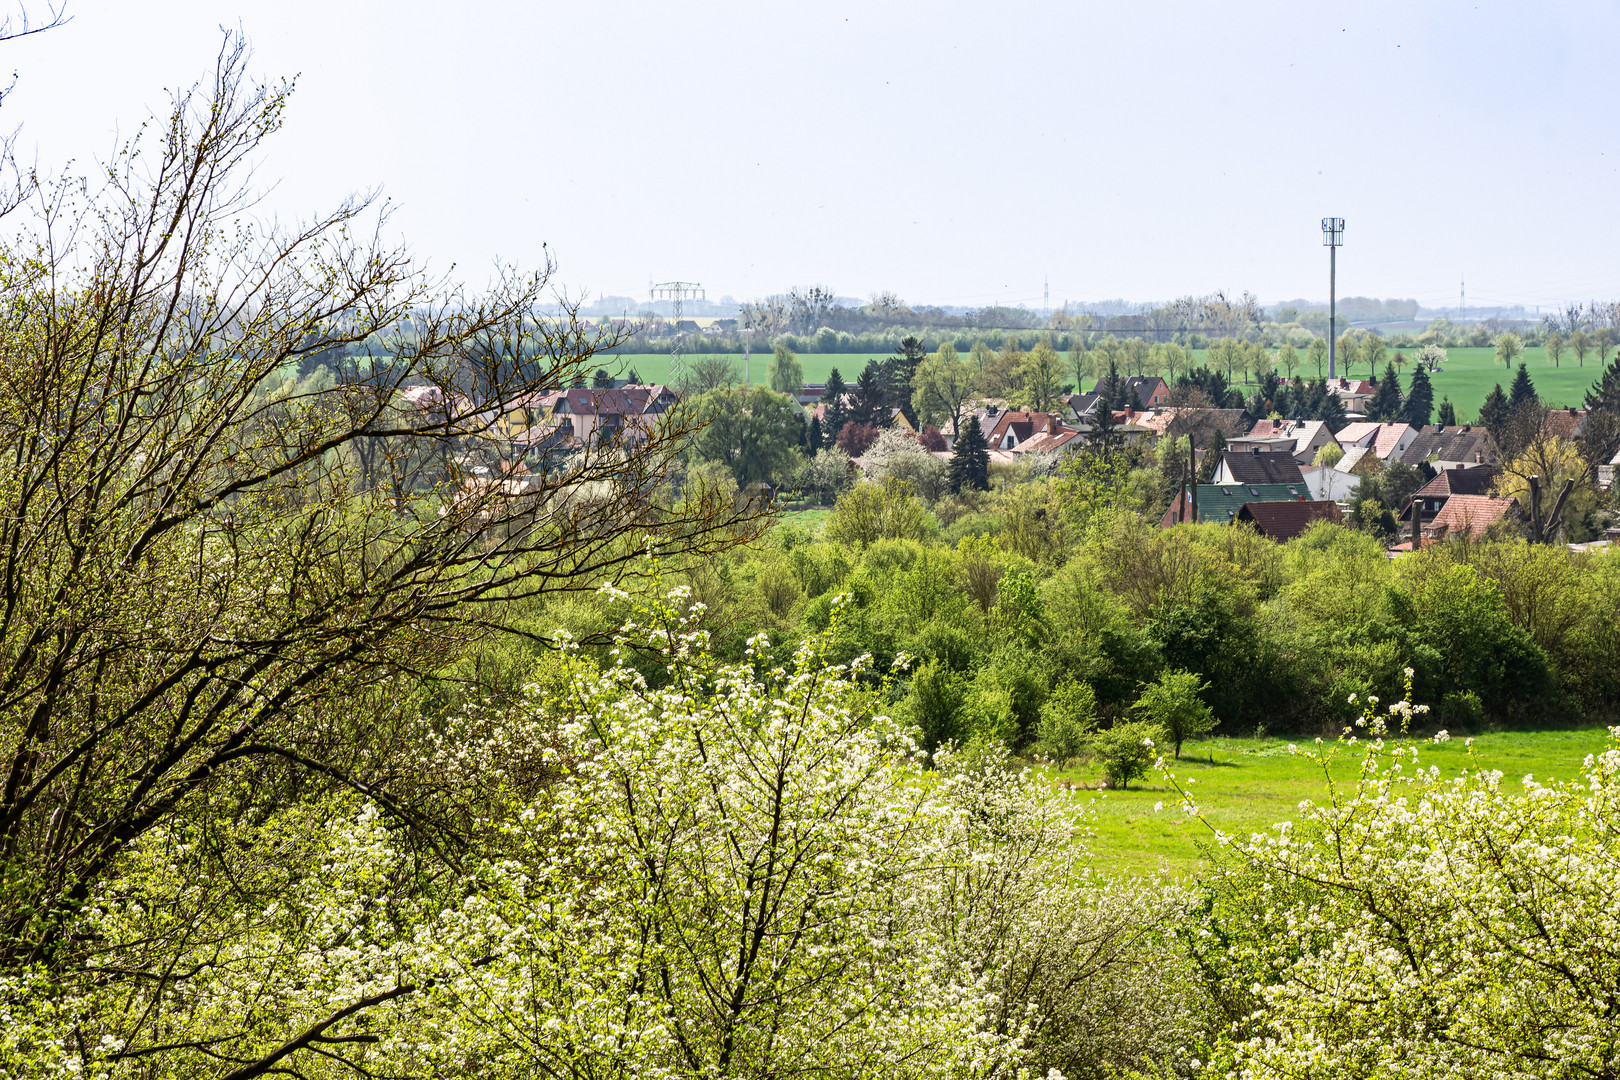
(677,292)
(1046,297)
(1462,298)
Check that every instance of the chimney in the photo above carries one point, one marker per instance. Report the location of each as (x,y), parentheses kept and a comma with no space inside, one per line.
(1466,428)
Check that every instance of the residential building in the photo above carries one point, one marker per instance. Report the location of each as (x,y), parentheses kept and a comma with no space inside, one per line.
(1432,497)
(1448,447)
(1300,438)
(1258,467)
(1220,503)
(1384,439)
(1468,515)
(1281,521)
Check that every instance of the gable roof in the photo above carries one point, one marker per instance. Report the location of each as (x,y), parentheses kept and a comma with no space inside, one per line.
(1382,438)
(1220,503)
(1150,390)
(1448,444)
(1471,514)
(1273,467)
(1448,482)
(1286,520)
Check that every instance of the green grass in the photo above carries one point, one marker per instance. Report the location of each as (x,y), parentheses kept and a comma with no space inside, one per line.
(1468,376)
(654,367)
(812,519)
(1255,783)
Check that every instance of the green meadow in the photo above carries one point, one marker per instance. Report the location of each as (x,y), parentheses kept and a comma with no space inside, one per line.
(1467,377)
(1247,785)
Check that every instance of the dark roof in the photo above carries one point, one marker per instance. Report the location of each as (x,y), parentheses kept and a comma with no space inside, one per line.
(1475,481)
(1286,520)
(1144,387)
(1446,444)
(1082,404)
(1266,467)
(1220,503)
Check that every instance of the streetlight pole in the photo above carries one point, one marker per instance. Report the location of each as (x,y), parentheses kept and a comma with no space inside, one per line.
(1333,239)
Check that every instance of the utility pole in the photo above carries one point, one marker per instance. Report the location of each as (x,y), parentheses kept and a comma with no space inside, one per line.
(1333,239)
(677,292)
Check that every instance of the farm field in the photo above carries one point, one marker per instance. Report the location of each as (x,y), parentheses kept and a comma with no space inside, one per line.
(654,367)
(1468,376)
(1255,783)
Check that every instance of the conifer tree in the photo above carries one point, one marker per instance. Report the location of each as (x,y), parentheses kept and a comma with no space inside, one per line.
(1523,392)
(1493,412)
(970,462)
(837,413)
(1386,402)
(814,439)
(1448,413)
(1419,399)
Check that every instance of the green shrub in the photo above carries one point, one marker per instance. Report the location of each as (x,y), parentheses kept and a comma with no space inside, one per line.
(1126,751)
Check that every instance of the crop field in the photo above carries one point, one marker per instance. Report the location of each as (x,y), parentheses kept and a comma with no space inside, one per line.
(654,367)
(1467,377)
(1247,785)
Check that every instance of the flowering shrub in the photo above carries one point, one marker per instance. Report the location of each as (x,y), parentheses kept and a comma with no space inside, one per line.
(1415,925)
(745,870)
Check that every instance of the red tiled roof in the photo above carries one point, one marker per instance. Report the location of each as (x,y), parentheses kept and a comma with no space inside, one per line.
(1470,513)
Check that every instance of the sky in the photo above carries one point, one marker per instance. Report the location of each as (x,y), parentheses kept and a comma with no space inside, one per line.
(954,153)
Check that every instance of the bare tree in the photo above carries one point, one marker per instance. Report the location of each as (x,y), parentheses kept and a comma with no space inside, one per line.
(197,552)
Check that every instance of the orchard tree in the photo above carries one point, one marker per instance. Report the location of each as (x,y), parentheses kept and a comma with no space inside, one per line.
(1407,924)
(1509,347)
(1317,351)
(1555,346)
(1174,703)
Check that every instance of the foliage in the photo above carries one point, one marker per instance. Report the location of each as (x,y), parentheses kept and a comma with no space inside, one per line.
(1126,751)
(1413,925)
(785,374)
(1068,718)
(869,512)
(755,432)
(1172,702)
(970,460)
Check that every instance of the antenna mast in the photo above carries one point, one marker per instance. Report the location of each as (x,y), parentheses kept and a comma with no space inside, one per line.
(677,292)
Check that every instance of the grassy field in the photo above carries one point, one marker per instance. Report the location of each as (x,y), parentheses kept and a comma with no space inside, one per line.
(654,367)
(1247,785)
(1468,376)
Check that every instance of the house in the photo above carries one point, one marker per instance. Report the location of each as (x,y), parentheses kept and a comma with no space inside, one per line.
(1258,467)
(588,414)
(1468,515)
(1447,447)
(1202,423)
(1081,406)
(1301,438)
(1353,394)
(1432,497)
(1149,391)
(1383,439)
(1331,483)
(1281,521)
(1360,461)
(1564,423)
(1605,473)
(1220,503)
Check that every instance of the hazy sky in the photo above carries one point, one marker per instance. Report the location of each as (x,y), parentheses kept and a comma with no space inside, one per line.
(952,152)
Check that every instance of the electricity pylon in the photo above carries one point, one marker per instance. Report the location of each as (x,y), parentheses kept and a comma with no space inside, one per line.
(677,292)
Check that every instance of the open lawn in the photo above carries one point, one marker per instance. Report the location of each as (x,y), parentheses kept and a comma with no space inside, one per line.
(1255,783)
